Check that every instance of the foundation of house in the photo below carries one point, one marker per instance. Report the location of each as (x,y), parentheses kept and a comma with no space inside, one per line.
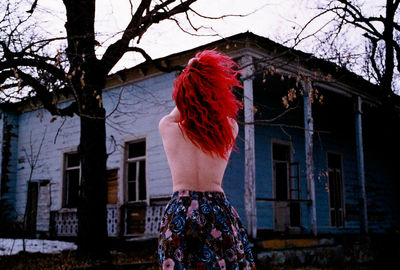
(343,251)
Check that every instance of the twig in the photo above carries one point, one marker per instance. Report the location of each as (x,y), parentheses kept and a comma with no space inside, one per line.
(59,128)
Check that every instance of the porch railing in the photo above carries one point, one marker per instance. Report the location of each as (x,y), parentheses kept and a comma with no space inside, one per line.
(66,221)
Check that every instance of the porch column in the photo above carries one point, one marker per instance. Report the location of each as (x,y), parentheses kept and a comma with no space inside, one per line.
(250,168)
(308,134)
(360,162)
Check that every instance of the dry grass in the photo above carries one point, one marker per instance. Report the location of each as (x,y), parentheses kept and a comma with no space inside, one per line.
(68,260)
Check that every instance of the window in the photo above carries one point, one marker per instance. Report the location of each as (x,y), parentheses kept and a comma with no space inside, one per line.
(287,210)
(335,179)
(281,162)
(72,173)
(136,171)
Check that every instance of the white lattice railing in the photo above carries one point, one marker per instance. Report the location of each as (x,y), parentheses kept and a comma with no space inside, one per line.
(153,218)
(113,220)
(66,221)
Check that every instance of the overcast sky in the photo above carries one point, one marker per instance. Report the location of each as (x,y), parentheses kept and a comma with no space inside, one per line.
(278,20)
(270,18)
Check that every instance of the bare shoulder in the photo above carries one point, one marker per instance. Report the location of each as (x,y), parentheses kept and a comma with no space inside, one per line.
(166,124)
(234,125)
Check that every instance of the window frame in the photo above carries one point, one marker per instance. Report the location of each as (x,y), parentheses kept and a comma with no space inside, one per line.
(64,189)
(136,160)
(289,171)
(342,189)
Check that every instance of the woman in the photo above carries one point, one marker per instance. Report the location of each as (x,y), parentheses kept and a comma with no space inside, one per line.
(200,229)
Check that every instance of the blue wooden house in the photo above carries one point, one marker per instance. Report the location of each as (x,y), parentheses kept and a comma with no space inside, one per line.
(315,155)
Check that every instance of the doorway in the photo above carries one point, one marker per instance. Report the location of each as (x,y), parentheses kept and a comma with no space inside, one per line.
(286,188)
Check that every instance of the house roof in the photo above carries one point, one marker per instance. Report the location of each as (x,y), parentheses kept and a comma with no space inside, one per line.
(242,42)
(248,40)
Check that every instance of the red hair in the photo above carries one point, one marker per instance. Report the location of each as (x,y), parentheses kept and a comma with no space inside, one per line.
(204,98)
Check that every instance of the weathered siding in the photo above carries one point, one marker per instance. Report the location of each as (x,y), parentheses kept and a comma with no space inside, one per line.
(265,212)
(141,106)
(57,136)
(337,135)
(265,136)
(233,181)
(9,148)
(335,119)
(351,187)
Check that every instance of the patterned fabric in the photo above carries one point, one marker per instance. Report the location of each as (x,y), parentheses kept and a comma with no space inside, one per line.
(201,230)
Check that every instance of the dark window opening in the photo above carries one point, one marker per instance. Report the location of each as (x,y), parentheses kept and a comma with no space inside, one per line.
(335,180)
(281,180)
(137,149)
(295,214)
(281,162)
(286,185)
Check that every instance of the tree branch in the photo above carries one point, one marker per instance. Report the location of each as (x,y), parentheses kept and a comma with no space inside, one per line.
(224,16)
(397,49)
(34,4)
(46,97)
(396,4)
(189,33)
(29,62)
(138,26)
(374,43)
(161,6)
(308,23)
(4,75)
(161,66)
(354,11)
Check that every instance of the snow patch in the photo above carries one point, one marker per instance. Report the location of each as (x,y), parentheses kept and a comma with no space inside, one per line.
(13,246)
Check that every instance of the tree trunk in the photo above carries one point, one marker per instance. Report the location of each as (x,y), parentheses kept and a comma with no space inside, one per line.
(92,210)
(88,78)
(387,78)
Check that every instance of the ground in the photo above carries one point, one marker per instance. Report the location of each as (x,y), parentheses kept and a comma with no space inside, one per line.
(141,260)
(66,260)
(46,254)
(138,255)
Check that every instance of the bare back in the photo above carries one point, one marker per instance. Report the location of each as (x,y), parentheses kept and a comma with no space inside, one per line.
(191,168)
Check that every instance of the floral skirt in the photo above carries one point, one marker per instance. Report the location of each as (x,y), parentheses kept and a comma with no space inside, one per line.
(202,230)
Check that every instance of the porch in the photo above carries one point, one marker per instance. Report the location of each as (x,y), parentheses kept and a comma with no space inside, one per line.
(124,221)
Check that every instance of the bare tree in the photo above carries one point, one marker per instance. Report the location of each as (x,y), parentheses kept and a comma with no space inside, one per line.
(29,223)
(340,21)
(30,68)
